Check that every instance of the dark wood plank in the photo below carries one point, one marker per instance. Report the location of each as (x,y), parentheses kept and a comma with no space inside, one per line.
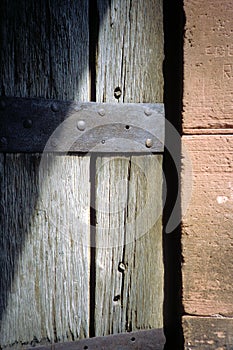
(46,49)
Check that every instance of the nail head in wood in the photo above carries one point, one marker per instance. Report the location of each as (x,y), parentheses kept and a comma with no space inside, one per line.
(117,92)
(121,267)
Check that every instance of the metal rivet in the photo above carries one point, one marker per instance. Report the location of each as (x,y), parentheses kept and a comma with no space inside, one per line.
(121,267)
(54,142)
(101,112)
(2,104)
(103,141)
(81,125)
(149,143)
(148,112)
(3,141)
(27,123)
(117,92)
(54,107)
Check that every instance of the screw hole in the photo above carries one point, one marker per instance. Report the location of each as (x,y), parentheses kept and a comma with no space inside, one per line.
(133,339)
(127,127)
(116,298)
(117,92)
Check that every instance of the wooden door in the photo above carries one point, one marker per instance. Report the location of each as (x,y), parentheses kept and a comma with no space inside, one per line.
(75,261)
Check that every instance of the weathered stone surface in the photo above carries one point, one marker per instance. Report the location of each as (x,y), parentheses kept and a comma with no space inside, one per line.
(208,65)
(207,226)
(207,333)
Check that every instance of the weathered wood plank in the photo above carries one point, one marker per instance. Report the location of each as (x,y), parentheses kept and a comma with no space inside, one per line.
(207,237)
(208,66)
(45,258)
(208,333)
(46,49)
(129,268)
(129,292)
(44,248)
(130,51)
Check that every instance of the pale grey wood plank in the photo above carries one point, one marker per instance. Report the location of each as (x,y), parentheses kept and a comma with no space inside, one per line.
(44,248)
(130,56)
(130,51)
(129,263)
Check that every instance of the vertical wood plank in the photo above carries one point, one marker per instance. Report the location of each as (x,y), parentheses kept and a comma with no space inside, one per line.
(45,263)
(129,270)
(46,49)
(45,260)
(129,267)
(130,51)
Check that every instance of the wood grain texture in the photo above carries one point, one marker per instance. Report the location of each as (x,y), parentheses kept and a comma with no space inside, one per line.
(46,49)
(207,227)
(129,56)
(129,266)
(44,248)
(45,259)
(208,66)
(208,333)
(130,51)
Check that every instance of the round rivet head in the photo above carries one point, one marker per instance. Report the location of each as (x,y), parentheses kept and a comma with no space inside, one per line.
(81,125)
(27,123)
(54,142)
(101,112)
(54,107)
(148,112)
(149,143)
